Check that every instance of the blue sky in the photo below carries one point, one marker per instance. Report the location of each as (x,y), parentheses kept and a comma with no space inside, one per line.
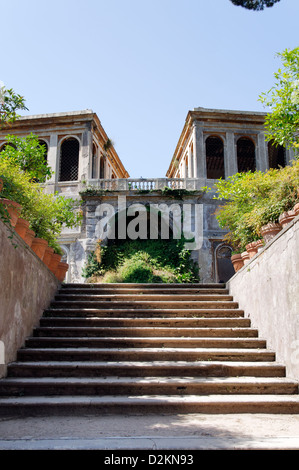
(142,65)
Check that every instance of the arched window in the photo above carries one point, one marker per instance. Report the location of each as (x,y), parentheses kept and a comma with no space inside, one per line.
(214,158)
(5,145)
(102,167)
(69,160)
(277,155)
(246,155)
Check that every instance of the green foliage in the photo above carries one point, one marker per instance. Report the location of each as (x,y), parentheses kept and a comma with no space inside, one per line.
(176,193)
(282,122)
(142,261)
(251,200)
(10,102)
(27,154)
(46,213)
(256,5)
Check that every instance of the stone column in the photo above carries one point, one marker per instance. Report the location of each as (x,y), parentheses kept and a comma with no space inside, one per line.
(261,153)
(53,160)
(190,162)
(85,156)
(199,152)
(230,155)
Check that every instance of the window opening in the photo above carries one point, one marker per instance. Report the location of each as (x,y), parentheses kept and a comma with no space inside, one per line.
(246,155)
(214,158)
(69,160)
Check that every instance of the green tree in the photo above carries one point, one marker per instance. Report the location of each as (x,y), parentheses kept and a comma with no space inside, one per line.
(29,155)
(282,123)
(256,5)
(10,103)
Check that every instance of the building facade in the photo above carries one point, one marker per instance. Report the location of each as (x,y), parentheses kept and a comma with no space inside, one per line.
(213,144)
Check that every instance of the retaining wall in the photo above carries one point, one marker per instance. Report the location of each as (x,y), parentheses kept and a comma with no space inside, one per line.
(27,288)
(267,288)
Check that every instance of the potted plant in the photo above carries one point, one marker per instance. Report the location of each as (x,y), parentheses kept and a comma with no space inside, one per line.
(61,270)
(237,261)
(39,246)
(22,227)
(270,230)
(13,210)
(286,217)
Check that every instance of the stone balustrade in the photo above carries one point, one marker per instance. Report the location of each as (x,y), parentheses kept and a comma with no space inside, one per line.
(146,184)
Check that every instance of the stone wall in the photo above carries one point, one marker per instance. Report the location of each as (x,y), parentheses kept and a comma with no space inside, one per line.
(267,288)
(27,287)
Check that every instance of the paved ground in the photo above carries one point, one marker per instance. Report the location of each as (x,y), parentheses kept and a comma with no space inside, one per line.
(185,431)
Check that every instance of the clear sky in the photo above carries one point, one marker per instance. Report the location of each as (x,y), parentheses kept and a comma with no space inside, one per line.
(141,65)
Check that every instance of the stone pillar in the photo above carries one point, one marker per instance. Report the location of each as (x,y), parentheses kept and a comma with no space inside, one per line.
(190,163)
(199,152)
(53,158)
(184,168)
(230,155)
(85,156)
(261,153)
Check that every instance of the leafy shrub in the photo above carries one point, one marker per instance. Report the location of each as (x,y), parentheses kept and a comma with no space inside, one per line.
(142,261)
(251,200)
(46,213)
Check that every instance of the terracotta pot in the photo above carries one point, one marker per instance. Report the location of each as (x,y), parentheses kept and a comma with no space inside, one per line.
(296,209)
(286,218)
(61,271)
(54,261)
(30,235)
(21,227)
(13,209)
(259,244)
(245,256)
(270,231)
(39,246)
(251,249)
(237,261)
(48,255)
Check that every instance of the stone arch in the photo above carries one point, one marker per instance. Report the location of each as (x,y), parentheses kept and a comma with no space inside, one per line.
(117,226)
(246,154)
(214,157)
(69,159)
(276,155)
(223,266)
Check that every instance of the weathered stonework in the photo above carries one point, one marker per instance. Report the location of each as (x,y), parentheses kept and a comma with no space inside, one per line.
(212,144)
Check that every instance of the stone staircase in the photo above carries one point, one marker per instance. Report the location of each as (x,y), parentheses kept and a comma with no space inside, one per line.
(145,348)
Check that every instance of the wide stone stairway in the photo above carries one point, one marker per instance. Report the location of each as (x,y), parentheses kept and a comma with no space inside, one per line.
(145,348)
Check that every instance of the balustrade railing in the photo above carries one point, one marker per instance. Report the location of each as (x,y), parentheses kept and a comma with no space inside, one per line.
(145,184)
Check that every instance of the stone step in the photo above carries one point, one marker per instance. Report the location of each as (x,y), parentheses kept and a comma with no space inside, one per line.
(186,298)
(144,304)
(174,322)
(146,386)
(147,286)
(145,354)
(139,290)
(135,331)
(66,310)
(144,369)
(104,405)
(154,342)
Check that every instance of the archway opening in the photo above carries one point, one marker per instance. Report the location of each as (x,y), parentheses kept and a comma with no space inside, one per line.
(214,158)
(246,155)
